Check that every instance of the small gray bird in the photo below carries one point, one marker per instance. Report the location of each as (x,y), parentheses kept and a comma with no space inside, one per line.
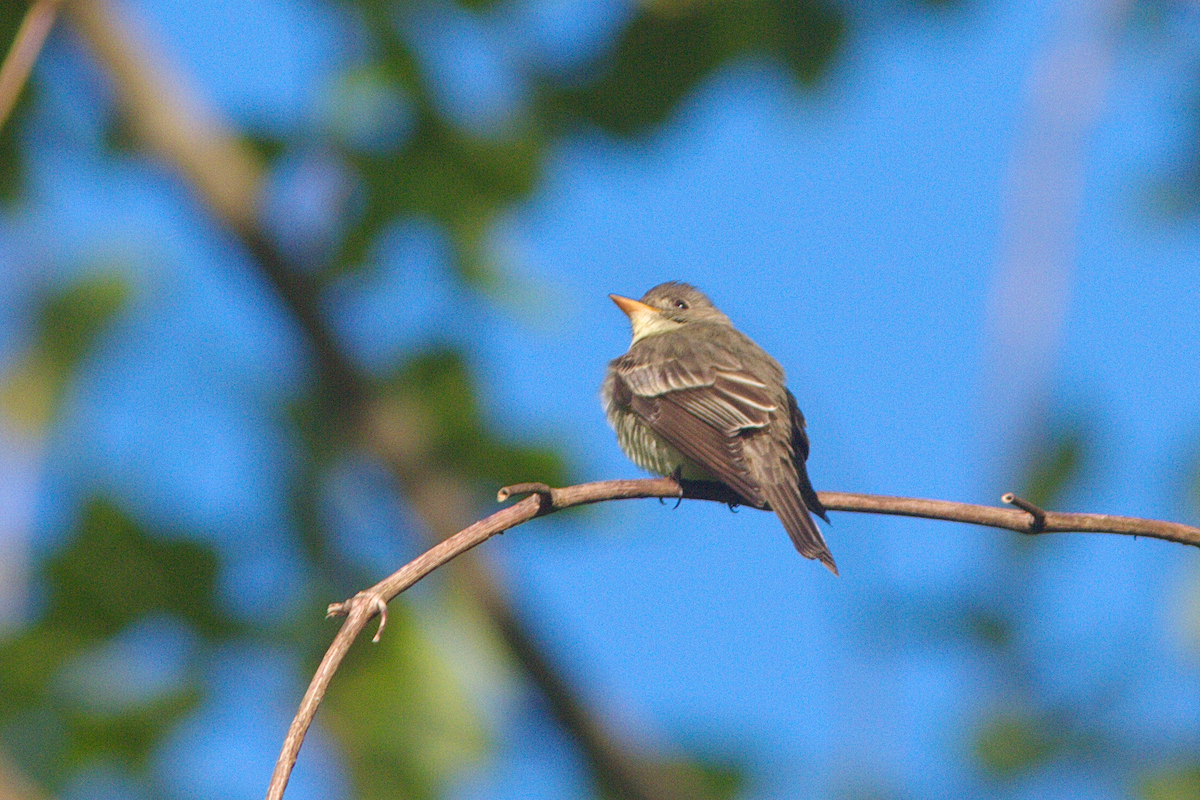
(696,395)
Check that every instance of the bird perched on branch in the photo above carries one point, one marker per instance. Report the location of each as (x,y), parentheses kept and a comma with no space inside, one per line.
(696,398)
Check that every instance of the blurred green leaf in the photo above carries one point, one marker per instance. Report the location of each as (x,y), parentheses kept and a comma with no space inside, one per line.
(476,5)
(434,402)
(1013,742)
(113,573)
(460,181)
(466,182)
(405,723)
(896,621)
(1174,784)
(708,777)
(109,575)
(1055,463)
(810,34)
(667,49)
(12,160)
(70,320)
(130,736)
(68,324)
(989,626)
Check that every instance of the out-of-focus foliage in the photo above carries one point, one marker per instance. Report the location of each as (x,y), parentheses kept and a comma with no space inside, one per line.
(671,46)
(68,323)
(401,716)
(109,576)
(1058,460)
(707,777)
(11,158)
(465,181)
(1011,742)
(434,396)
(1176,784)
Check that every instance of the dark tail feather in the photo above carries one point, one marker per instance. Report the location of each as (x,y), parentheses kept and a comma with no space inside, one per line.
(788,506)
(809,494)
(799,456)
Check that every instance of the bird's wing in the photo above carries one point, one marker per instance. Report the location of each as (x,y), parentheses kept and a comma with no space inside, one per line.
(702,414)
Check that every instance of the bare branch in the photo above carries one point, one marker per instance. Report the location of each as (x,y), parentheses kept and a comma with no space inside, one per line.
(543,499)
(23,53)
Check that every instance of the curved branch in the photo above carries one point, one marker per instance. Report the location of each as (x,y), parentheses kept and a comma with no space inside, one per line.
(174,123)
(359,609)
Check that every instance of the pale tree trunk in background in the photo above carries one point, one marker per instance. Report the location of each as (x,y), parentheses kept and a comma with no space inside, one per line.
(1031,289)
(21,457)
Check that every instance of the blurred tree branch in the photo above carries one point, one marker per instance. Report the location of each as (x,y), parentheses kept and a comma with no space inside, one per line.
(14,785)
(542,500)
(23,53)
(226,177)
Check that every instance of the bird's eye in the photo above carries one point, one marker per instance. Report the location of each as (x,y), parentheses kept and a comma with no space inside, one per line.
(681,304)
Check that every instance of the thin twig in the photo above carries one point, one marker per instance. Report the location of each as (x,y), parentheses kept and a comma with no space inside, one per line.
(23,53)
(544,500)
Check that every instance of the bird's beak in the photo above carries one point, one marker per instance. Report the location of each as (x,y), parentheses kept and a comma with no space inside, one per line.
(631,307)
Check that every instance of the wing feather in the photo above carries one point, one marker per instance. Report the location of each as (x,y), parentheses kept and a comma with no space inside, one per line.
(705,445)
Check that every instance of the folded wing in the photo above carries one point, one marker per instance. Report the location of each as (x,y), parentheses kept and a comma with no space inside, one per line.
(704,413)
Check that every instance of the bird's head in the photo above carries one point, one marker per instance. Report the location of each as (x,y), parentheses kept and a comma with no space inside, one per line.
(667,307)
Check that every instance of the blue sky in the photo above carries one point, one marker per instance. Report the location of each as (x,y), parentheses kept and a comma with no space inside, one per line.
(855,234)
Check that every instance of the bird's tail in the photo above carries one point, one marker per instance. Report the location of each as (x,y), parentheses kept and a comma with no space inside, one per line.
(786,503)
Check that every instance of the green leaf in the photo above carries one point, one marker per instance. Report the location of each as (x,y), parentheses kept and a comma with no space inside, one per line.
(110,574)
(667,49)
(705,777)
(12,161)
(1055,463)
(68,324)
(1013,742)
(433,402)
(70,321)
(405,724)
(1182,783)
(810,34)
(461,181)
(129,737)
(113,573)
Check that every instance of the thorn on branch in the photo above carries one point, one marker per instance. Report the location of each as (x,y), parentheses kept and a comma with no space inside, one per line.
(1038,521)
(381,608)
(525,488)
(344,609)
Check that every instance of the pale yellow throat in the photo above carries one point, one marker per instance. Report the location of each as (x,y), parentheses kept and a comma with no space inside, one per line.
(649,323)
